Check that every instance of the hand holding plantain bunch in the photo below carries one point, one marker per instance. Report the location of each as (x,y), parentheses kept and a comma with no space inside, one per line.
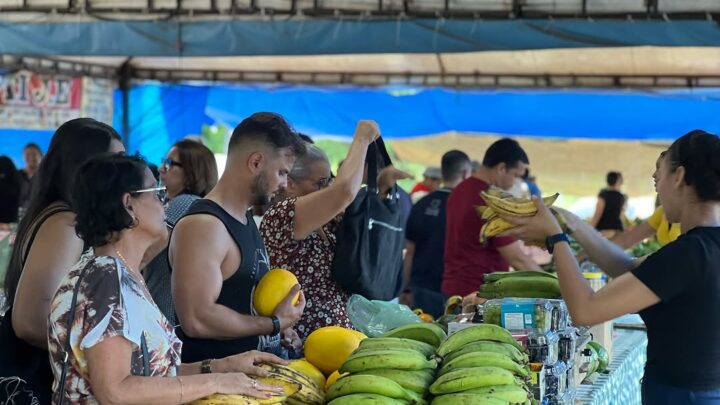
(298,388)
(501,204)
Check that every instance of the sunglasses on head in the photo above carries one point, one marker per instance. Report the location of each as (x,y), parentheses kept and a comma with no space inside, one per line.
(160,192)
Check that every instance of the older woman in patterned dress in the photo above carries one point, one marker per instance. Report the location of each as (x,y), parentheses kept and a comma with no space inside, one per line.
(299,230)
(107,338)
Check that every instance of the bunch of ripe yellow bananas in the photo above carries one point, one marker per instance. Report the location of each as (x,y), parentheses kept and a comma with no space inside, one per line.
(500,203)
(299,389)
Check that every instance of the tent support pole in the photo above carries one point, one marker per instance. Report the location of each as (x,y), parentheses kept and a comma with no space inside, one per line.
(124,83)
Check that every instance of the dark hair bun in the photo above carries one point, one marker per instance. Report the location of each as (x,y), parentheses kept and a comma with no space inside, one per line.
(699,153)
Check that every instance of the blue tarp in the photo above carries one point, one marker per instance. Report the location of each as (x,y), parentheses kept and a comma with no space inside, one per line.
(160,114)
(331,36)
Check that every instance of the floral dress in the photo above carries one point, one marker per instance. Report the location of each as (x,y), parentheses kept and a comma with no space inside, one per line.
(310,260)
(112,301)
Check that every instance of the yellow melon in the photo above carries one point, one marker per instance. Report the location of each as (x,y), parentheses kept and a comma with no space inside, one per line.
(272,289)
(327,348)
(307,369)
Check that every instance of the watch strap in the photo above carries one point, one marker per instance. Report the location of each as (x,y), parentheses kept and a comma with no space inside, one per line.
(276,324)
(205,366)
(551,241)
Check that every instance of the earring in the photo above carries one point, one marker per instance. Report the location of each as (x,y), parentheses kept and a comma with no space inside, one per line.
(135,222)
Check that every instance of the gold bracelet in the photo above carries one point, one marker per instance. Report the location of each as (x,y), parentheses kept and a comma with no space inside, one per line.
(182,394)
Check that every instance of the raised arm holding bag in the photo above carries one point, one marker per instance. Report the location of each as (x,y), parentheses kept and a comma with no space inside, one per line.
(370,240)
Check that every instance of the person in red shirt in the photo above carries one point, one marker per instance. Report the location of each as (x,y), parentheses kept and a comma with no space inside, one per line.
(432,178)
(466,259)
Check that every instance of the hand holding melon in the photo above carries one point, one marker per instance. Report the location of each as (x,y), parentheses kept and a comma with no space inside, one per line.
(278,293)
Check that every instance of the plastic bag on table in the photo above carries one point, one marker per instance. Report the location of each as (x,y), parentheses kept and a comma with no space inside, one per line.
(374,318)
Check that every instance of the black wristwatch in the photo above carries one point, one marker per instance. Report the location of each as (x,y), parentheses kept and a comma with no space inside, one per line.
(205,366)
(551,241)
(276,324)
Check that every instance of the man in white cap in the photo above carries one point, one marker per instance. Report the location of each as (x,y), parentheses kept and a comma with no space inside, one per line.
(432,178)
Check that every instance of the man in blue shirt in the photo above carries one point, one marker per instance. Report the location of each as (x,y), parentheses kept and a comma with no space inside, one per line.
(425,239)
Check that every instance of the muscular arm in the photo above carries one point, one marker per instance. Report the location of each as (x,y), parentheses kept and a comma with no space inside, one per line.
(54,251)
(517,258)
(198,247)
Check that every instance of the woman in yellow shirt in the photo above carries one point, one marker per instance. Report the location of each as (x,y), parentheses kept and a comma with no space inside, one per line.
(657,225)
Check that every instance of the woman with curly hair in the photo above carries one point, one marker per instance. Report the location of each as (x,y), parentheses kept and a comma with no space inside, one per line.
(109,343)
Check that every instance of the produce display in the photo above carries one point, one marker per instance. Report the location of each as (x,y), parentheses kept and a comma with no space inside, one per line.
(515,347)
(395,368)
(485,362)
(417,364)
(478,363)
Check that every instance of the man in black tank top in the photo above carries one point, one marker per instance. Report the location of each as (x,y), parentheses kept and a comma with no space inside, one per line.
(217,255)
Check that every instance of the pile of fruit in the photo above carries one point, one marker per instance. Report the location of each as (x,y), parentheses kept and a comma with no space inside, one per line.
(520,284)
(481,364)
(500,203)
(395,368)
(599,358)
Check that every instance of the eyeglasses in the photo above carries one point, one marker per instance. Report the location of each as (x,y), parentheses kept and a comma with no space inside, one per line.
(160,192)
(169,163)
(324,182)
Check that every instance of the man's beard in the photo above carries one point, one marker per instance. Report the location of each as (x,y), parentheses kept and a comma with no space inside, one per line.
(260,191)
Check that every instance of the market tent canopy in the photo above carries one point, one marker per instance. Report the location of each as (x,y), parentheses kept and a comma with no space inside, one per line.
(224,37)
(161,113)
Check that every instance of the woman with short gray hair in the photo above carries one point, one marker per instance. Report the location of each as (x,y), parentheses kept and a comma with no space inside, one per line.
(299,229)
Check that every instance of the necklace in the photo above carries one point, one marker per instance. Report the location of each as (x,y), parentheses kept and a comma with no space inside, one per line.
(122,258)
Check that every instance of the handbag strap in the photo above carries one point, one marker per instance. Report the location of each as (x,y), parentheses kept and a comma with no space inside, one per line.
(376,150)
(145,356)
(66,345)
(34,228)
(67,348)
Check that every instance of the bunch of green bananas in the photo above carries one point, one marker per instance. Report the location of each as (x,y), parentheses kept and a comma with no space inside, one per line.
(520,284)
(396,368)
(481,364)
